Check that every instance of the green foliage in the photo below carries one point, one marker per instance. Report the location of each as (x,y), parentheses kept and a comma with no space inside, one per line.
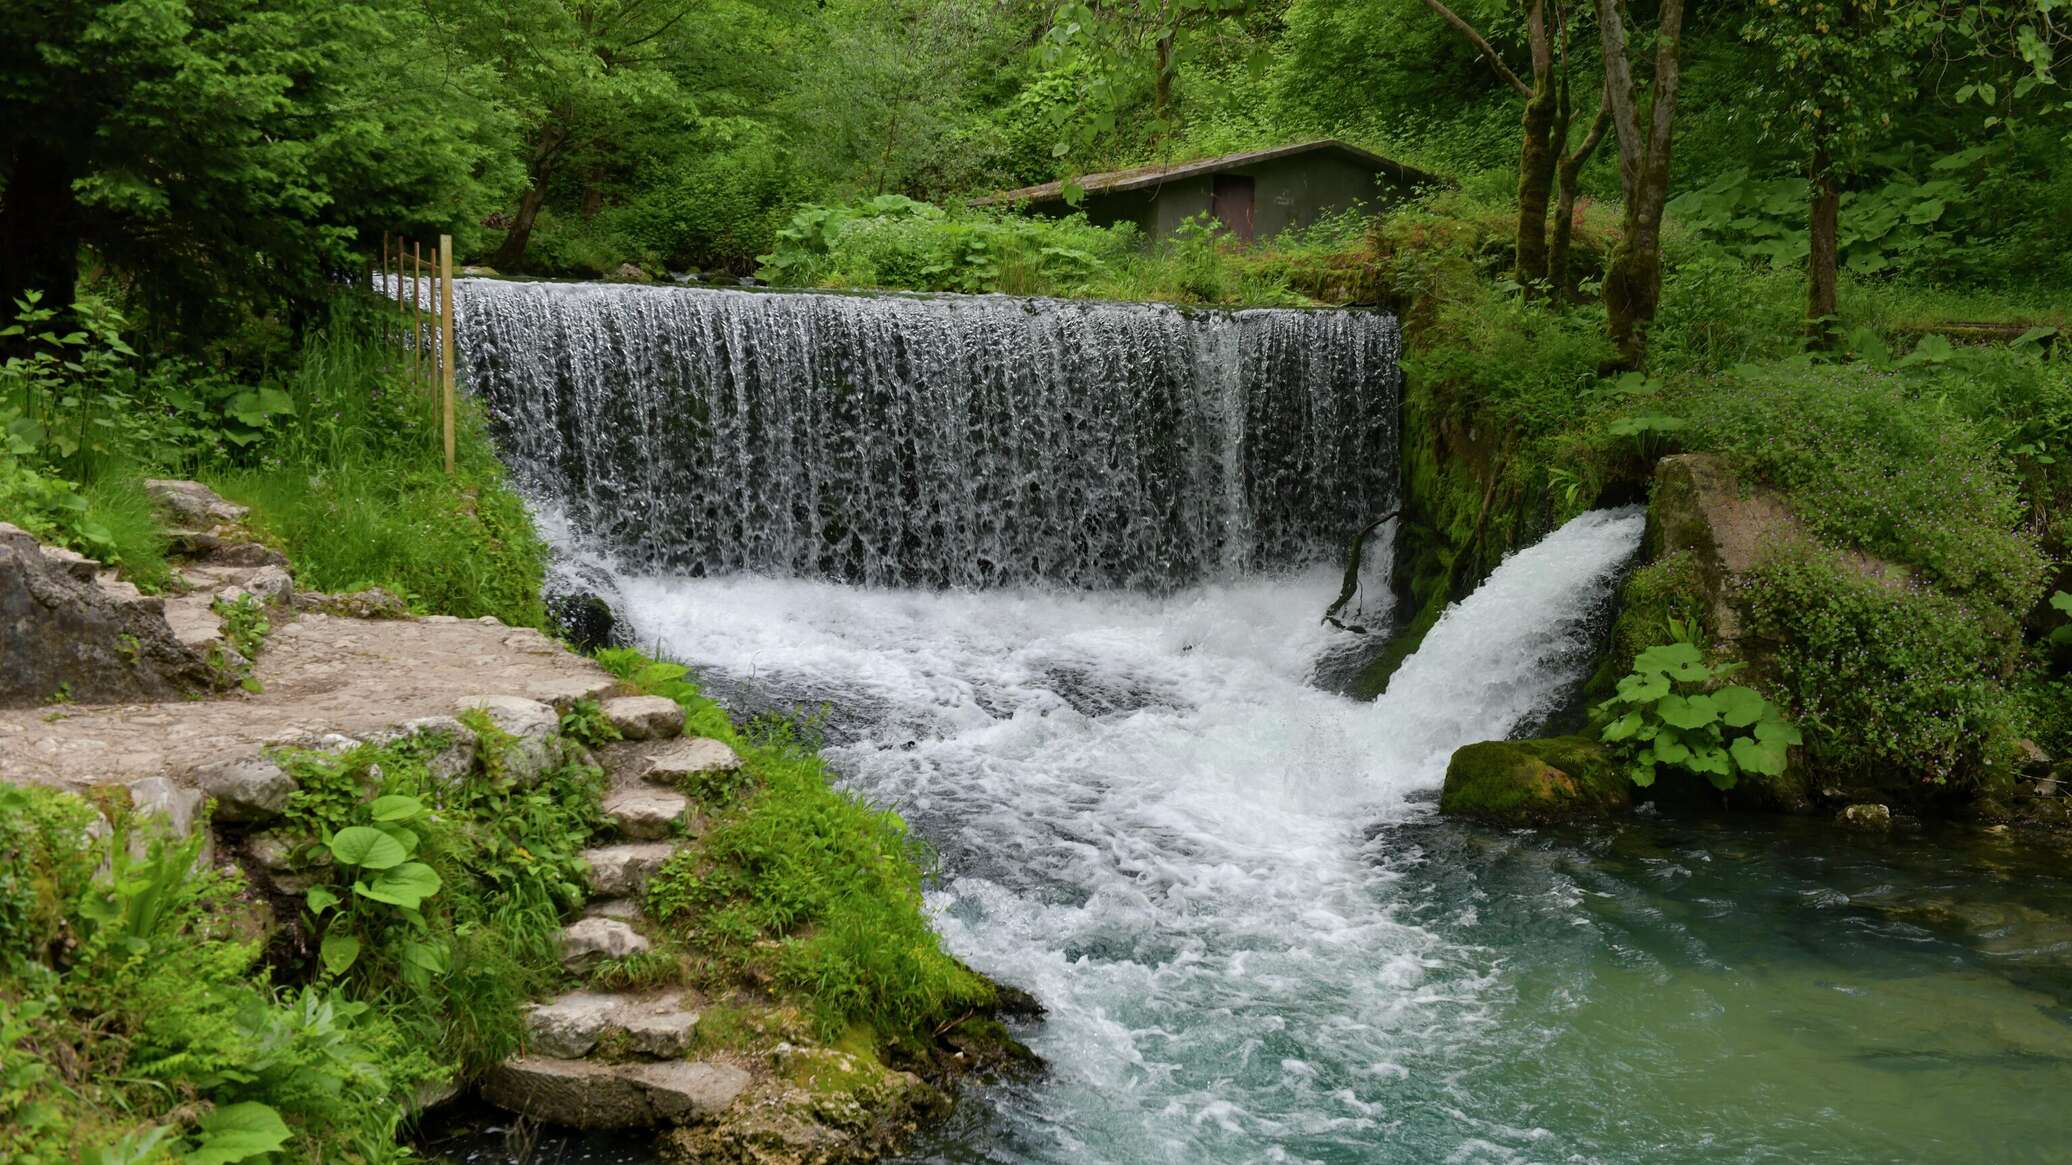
(1872,463)
(442,898)
(1899,687)
(1895,226)
(226,154)
(151,1021)
(1671,711)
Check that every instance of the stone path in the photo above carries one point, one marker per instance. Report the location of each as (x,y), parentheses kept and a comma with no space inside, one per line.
(319,675)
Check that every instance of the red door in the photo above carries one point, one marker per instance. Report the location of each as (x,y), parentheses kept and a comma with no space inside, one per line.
(1230,200)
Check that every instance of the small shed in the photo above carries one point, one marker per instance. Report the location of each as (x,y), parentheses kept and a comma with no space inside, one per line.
(1256,194)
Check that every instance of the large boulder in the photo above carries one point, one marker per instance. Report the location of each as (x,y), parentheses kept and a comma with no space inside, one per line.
(1531,782)
(63,636)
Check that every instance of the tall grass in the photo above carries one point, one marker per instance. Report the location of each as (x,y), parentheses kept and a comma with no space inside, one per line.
(352,485)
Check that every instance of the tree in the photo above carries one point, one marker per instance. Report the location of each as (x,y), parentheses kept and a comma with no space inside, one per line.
(219,154)
(1544,153)
(583,75)
(1838,67)
(1645,134)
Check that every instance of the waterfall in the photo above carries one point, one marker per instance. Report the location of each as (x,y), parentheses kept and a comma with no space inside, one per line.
(951,440)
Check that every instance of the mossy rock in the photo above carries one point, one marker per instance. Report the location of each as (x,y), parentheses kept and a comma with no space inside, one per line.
(1526,782)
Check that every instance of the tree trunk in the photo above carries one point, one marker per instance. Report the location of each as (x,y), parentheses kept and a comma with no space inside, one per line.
(1568,173)
(1536,155)
(1162,85)
(593,195)
(510,257)
(1633,274)
(39,229)
(1536,162)
(1826,208)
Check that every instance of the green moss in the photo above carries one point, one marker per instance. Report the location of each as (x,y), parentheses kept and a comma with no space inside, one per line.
(1521,782)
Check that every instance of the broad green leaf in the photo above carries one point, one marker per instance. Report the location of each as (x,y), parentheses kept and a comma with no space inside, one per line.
(1666,657)
(367,847)
(238,1132)
(2062,603)
(1643,689)
(403,835)
(339,951)
(1772,730)
(1623,728)
(395,807)
(1767,757)
(1672,752)
(1687,712)
(320,899)
(406,885)
(1643,775)
(1711,761)
(1739,706)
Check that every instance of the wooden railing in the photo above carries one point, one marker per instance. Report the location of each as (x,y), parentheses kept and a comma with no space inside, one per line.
(424,300)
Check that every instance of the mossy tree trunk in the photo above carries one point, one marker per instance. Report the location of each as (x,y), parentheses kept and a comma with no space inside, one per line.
(1633,273)
(1544,125)
(1823,223)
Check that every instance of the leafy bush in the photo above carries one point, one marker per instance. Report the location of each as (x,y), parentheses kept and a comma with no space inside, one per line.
(1671,711)
(139,1016)
(442,898)
(1894,684)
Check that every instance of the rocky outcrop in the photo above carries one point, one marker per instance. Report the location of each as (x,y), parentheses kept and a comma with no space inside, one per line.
(1531,782)
(64,637)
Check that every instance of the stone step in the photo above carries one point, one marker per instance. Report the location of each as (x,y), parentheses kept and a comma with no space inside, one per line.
(588,939)
(623,909)
(687,758)
(645,812)
(644,717)
(570,1026)
(585,1094)
(622,871)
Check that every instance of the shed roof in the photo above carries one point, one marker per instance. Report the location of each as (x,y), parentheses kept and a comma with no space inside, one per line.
(1138,177)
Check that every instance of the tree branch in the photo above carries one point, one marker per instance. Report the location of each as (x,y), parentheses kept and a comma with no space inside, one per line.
(1481,45)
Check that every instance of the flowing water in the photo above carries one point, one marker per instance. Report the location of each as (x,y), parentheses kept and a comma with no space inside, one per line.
(1255,940)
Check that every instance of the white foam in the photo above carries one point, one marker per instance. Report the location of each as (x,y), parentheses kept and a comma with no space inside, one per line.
(1152,822)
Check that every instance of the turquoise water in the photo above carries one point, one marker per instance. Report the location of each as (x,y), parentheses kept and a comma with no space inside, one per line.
(1688,991)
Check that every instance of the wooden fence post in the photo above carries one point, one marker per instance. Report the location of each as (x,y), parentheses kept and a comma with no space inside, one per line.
(446,341)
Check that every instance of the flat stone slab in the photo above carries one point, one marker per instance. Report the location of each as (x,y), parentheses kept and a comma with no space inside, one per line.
(645,812)
(622,871)
(644,717)
(584,1094)
(567,1027)
(570,1026)
(319,675)
(600,938)
(690,757)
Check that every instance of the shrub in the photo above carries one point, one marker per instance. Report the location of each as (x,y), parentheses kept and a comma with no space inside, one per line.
(1671,711)
(1891,683)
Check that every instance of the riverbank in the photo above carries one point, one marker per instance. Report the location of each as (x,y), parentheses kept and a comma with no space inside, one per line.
(407,855)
